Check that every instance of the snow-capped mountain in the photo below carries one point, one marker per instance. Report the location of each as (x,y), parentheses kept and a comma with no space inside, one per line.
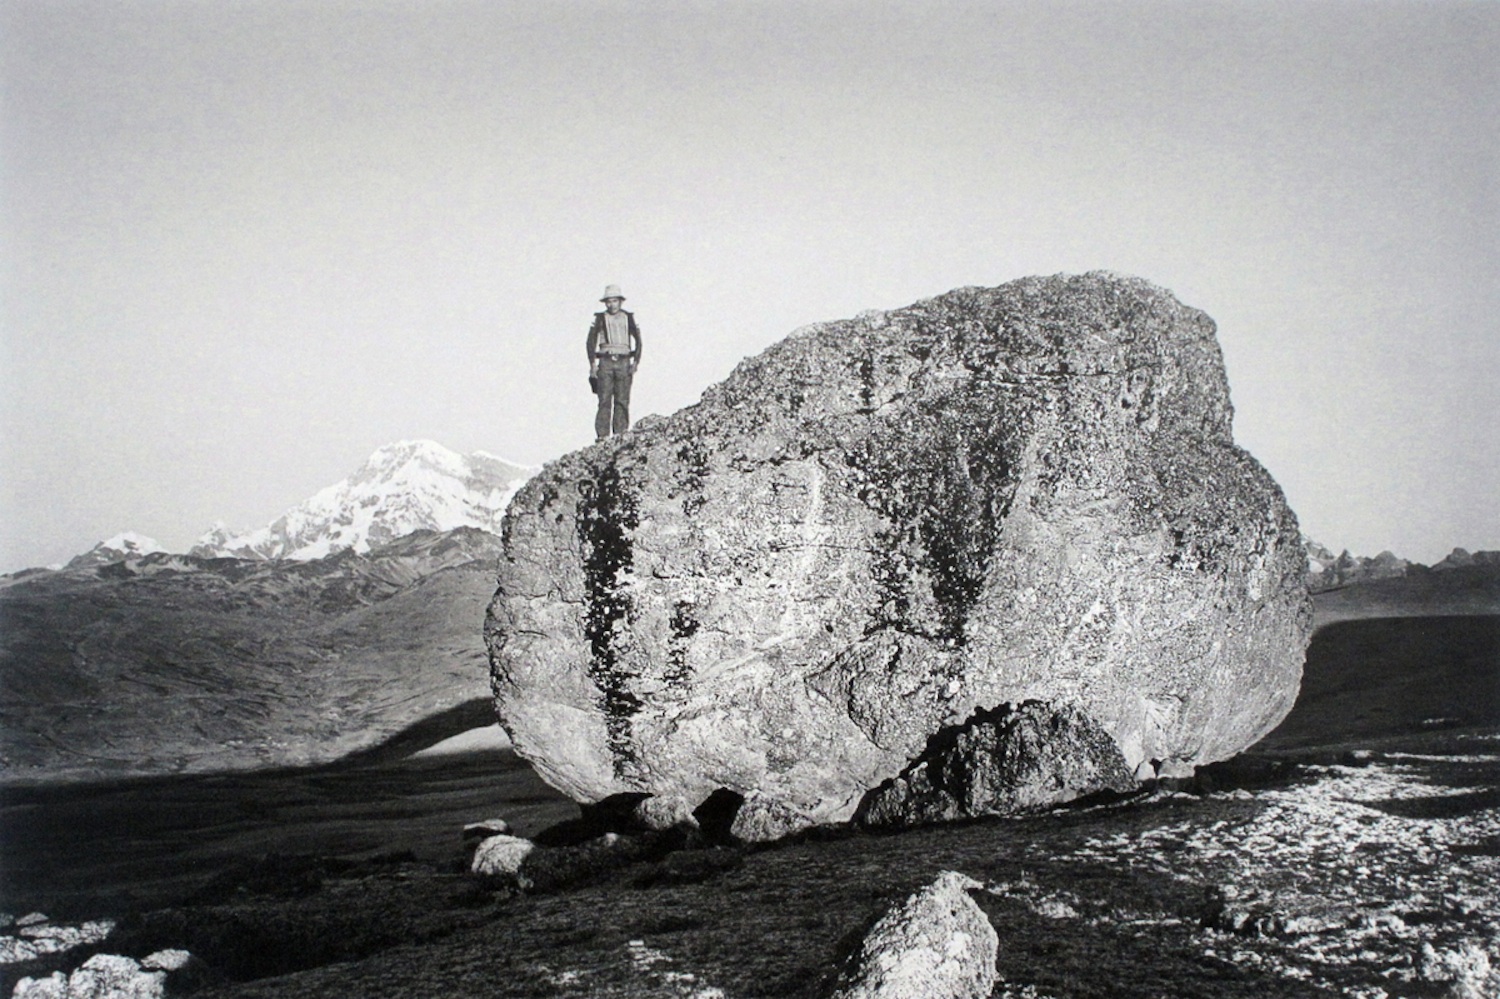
(403,487)
(126,544)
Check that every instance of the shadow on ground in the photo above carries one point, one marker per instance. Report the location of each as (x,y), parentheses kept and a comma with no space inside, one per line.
(82,850)
(1373,679)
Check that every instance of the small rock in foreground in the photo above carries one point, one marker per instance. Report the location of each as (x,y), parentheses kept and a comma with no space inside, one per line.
(936,943)
(485,828)
(501,855)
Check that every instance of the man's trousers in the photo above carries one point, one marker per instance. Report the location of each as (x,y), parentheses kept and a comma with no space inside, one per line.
(614,396)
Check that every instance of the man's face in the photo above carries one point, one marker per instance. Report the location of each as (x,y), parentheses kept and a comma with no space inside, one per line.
(613,304)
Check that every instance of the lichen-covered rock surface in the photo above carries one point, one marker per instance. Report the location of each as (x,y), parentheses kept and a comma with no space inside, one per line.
(881,526)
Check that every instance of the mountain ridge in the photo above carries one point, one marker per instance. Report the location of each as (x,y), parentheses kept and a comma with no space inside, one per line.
(1327,571)
(405,486)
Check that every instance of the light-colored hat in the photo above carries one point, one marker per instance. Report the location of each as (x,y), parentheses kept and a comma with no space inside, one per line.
(612,291)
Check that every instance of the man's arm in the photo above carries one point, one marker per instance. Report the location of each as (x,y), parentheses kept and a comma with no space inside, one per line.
(635,336)
(591,343)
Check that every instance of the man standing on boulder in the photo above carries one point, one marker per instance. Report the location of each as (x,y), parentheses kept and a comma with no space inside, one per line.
(614,347)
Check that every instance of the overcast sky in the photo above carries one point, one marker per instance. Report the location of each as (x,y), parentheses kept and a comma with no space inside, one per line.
(245,244)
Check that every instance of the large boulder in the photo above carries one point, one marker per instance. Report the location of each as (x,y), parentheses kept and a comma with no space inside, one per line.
(882,526)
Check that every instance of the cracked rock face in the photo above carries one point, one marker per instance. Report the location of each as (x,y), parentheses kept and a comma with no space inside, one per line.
(881,526)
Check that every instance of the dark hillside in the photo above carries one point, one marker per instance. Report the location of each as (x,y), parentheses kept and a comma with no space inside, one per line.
(170,664)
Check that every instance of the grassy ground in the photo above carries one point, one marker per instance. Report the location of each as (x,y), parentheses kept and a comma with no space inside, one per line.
(1286,881)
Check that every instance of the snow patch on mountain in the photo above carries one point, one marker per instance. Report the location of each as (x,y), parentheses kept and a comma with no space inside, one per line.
(403,487)
(126,544)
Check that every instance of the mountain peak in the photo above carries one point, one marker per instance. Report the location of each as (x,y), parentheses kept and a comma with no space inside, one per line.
(126,544)
(402,487)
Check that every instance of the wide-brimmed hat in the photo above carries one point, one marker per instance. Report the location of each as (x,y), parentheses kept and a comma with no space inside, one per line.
(612,291)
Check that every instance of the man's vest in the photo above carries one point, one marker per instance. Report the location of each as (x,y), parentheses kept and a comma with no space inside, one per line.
(604,343)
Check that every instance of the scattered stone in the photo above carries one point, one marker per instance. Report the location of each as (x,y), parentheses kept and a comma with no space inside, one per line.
(68,936)
(1467,967)
(167,960)
(1257,915)
(54,986)
(31,919)
(38,938)
(879,528)
(501,855)
(103,976)
(1053,908)
(667,811)
(14,950)
(185,973)
(1001,762)
(110,976)
(936,943)
(761,820)
(485,829)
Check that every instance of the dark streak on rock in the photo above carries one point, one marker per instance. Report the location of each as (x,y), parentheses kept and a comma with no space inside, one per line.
(866,384)
(949,502)
(694,458)
(607,517)
(684,626)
